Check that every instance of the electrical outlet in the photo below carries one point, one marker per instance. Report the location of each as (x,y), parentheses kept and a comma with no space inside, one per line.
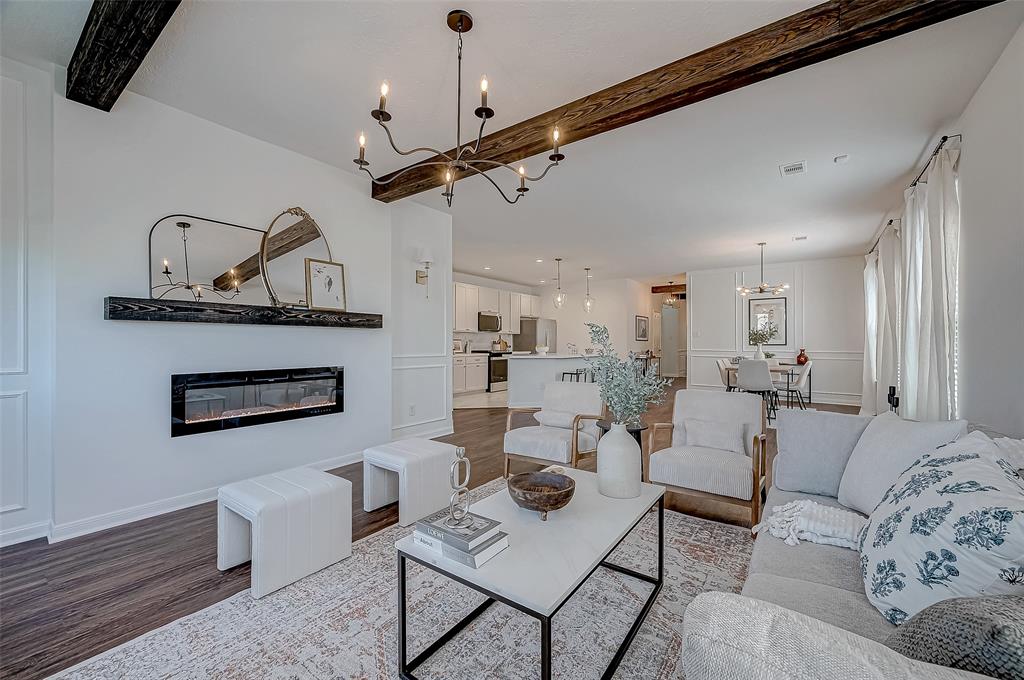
(412,409)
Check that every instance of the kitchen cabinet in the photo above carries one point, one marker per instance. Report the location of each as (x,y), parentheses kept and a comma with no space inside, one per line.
(515,313)
(467,306)
(459,375)
(488,299)
(469,373)
(505,309)
(529,306)
(535,305)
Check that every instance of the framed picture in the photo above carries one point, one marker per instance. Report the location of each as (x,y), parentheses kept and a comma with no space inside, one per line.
(763,311)
(642,328)
(325,285)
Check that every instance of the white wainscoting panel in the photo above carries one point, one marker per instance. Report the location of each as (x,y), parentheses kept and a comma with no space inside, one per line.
(13,451)
(13,234)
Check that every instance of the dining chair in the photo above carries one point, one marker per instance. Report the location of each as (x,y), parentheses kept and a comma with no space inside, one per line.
(797,388)
(753,376)
(723,372)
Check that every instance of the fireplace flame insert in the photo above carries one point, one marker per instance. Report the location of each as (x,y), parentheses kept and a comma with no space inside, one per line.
(207,402)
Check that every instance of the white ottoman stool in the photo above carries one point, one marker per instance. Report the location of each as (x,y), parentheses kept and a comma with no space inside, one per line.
(413,472)
(291,524)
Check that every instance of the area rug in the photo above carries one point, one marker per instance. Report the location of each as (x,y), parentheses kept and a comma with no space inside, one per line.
(341,622)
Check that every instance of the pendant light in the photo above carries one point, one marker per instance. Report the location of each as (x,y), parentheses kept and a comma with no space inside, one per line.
(588,301)
(560,296)
(670,299)
(763,286)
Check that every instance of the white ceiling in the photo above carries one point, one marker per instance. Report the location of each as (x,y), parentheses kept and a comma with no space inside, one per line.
(689,189)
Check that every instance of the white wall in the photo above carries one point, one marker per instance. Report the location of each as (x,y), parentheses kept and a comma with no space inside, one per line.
(421,389)
(618,301)
(113,459)
(463,277)
(825,315)
(991,375)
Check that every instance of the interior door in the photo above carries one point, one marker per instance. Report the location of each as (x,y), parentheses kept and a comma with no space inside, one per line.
(26,301)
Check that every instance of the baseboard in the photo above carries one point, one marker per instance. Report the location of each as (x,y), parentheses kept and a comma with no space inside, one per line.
(431,430)
(81,527)
(29,532)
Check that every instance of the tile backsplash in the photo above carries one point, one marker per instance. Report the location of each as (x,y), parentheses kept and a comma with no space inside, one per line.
(482,340)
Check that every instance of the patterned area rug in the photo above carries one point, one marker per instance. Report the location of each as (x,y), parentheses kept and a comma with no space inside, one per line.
(341,622)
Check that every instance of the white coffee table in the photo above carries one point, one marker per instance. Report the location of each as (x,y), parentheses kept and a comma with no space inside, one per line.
(545,563)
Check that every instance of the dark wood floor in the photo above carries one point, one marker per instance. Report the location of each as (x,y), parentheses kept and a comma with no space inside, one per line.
(63,603)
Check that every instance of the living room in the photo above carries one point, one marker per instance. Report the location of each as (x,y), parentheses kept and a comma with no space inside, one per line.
(230,302)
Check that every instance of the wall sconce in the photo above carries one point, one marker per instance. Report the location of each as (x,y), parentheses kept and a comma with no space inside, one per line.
(426,258)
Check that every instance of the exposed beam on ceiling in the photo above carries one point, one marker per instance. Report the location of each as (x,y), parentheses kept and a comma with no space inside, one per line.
(675,288)
(285,241)
(115,39)
(809,37)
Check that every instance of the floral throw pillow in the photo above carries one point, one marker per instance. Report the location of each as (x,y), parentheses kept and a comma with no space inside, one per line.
(951,525)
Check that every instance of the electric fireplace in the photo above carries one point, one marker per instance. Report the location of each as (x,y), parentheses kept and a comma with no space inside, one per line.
(206,402)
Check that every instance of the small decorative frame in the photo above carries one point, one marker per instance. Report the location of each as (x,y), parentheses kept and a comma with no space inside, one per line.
(764,310)
(325,285)
(642,328)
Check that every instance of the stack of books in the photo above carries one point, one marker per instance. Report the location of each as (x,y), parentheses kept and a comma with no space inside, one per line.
(472,545)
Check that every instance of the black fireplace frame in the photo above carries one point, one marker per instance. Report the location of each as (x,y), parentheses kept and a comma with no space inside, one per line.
(180,383)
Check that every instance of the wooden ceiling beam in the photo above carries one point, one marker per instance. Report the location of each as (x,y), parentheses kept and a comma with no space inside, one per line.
(115,39)
(674,288)
(822,32)
(285,241)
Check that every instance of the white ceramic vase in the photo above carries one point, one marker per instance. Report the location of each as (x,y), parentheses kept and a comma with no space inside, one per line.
(759,354)
(618,464)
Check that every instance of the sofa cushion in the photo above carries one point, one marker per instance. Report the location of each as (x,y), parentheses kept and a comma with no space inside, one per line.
(702,469)
(825,564)
(979,634)
(813,449)
(843,608)
(715,434)
(708,405)
(889,444)
(952,525)
(547,443)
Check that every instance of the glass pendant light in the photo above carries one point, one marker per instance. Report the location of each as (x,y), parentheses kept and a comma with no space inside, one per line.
(670,299)
(560,296)
(588,301)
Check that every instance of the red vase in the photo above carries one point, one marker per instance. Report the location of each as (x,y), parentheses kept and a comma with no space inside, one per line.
(802,357)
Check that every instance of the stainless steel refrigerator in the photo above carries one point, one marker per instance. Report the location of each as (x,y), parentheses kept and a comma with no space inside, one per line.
(533,332)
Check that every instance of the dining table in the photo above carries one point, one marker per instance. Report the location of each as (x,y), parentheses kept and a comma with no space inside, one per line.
(787,369)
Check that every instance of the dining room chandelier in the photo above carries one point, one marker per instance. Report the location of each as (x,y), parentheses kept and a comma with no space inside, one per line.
(763,287)
(463,163)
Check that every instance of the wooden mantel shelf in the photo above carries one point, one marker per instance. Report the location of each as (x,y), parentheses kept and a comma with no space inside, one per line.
(146,309)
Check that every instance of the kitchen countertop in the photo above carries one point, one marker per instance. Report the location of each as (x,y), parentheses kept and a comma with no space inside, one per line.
(549,355)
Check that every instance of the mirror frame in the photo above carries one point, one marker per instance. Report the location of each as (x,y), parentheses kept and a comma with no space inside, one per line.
(264,270)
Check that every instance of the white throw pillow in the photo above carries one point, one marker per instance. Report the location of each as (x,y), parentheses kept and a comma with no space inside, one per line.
(952,525)
(887,447)
(553,418)
(714,434)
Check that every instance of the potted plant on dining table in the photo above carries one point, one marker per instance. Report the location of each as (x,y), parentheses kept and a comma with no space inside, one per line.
(628,389)
(762,335)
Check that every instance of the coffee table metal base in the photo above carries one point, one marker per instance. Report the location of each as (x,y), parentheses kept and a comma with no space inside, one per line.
(407,666)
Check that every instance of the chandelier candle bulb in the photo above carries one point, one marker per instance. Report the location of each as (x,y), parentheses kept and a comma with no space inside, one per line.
(362,147)
(555,136)
(483,92)
(167,270)
(384,88)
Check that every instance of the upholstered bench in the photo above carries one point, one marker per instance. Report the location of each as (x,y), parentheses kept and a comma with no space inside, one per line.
(413,472)
(291,524)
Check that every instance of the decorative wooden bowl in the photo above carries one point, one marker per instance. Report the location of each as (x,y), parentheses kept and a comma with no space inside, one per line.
(541,491)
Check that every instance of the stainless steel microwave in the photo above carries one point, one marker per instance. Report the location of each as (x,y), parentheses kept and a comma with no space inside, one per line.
(488,322)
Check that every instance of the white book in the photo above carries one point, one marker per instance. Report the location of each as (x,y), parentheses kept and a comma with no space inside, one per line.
(475,558)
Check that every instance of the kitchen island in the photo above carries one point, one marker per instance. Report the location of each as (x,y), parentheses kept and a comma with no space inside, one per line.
(528,373)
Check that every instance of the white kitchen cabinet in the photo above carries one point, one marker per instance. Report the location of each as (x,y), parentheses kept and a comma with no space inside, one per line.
(467,306)
(459,375)
(530,306)
(535,305)
(505,310)
(489,299)
(515,313)
(476,374)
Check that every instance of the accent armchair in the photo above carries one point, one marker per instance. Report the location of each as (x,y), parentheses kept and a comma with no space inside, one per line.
(717,450)
(566,431)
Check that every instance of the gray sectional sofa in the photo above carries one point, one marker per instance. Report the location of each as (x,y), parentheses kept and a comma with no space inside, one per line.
(802,612)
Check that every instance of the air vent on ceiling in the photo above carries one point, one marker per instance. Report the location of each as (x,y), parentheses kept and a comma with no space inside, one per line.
(790,169)
(799,238)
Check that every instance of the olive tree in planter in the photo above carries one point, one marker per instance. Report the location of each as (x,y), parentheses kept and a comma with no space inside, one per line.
(628,390)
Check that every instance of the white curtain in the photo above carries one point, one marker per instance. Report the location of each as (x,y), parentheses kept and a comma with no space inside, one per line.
(882,285)
(930,236)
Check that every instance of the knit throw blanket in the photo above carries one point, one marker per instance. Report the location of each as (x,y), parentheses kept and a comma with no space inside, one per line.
(809,521)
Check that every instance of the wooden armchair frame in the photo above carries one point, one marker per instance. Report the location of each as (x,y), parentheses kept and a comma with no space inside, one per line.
(575,453)
(758,464)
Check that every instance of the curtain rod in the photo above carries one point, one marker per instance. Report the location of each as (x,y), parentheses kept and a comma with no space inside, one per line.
(938,147)
(882,233)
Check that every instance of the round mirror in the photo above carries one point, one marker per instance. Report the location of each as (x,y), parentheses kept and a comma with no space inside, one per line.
(292,244)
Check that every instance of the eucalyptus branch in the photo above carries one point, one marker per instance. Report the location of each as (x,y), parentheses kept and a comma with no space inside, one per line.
(626,387)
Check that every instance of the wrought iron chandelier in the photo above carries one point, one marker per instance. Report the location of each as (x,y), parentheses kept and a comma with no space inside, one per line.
(158,291)
(763,287)
(461,22)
